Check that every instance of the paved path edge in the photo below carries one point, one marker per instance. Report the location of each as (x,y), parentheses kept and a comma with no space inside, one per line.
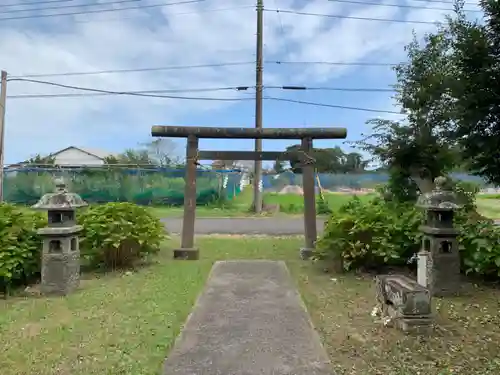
(275,348)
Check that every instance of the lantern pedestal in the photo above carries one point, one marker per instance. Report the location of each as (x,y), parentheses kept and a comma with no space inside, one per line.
(439,257)
(60,260)
(187,254)
(61,249)
(306,253)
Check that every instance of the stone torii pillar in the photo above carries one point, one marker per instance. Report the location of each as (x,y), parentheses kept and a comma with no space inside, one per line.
(308,186)
(193,134)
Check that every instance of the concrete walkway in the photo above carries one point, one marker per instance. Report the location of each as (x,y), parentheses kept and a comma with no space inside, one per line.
(277,226)
(250,320)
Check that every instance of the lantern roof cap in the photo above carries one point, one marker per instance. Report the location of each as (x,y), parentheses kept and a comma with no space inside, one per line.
(60,200)
(441,198)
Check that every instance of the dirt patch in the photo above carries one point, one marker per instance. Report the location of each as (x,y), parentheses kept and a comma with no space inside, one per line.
(292,189)
(246,236)
(464,340)
(297,190)
(350,191)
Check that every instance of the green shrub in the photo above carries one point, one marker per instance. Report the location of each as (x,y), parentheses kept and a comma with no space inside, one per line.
(20,245)
(116,235)
(399,188)
(490,196)
(291,208)
(220,201)
(466,192)
(480,246)
(378,233)
(322,207)
(371,234)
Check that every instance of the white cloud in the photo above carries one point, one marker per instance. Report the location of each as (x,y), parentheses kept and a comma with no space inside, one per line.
(172,36)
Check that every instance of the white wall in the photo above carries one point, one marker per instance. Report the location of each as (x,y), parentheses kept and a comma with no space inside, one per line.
(76,157)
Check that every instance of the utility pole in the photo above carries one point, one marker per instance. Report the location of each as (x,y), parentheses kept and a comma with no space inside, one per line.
(3,100)
(257,194)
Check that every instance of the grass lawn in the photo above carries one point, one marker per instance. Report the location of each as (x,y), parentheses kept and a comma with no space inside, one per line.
(465,340)
(289,203)
(292,204)
(240,206)
(295,203)
(489,207)
(126,323)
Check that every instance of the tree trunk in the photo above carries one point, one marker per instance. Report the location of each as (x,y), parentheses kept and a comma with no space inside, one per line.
(425,185)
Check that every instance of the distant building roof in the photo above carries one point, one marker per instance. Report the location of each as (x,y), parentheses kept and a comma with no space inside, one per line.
(101,154)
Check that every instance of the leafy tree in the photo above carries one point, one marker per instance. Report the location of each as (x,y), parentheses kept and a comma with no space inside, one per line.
(162,152)
(452,84)
(415,155)
(222,164)
(420,148)
(294,160)
(353,162)
(41,160)
(279,166)
(328,160)
(131,157)
(476,55)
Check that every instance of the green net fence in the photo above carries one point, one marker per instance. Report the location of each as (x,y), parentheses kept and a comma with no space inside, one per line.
(347,181)
(145,186)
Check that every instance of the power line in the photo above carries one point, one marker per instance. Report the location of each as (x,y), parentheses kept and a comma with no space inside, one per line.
(435,1)
(210,89)
(197,1)
(132,93)
(106,93)
(171,14)
(197,66)
(442,2)
(348,17)
(340,63)
(68,6)
(136,70)
(101,11)
(138,93)
(400,5)
(345,89)
(329,105)
(34,3)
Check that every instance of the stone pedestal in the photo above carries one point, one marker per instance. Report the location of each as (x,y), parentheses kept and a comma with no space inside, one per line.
(439,257)
(61,249)
(60,273)
(405,302)
(439,270)
(306,253)
(187,254)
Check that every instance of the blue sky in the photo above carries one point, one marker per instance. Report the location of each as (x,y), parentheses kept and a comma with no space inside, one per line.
(204,32)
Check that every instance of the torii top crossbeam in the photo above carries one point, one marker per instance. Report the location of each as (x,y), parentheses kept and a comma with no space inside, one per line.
(193,154)
(248,133)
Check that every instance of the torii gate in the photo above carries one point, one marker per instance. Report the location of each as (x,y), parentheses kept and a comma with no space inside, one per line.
(193,134)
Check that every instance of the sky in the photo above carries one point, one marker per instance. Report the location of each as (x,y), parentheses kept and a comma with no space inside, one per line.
(303,45)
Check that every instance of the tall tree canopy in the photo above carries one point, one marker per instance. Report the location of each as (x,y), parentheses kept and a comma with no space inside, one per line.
(160,152)
(330,160)
(417,150)
(476,55)
(449,92)
(39,160)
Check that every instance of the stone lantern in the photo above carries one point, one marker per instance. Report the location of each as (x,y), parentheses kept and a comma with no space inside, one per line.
(60,252)
(439,258)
